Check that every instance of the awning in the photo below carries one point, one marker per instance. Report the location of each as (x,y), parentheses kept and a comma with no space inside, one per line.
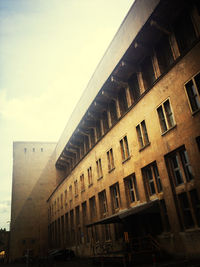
(144,208)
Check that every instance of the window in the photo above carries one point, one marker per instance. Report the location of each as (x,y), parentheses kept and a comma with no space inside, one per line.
(134,88)
(179,167)
(124,148)
(110,160)
(99,169)
(113,111)
(105,121)
(103,204)
(165,115)
(142,134)
(92,202)
(33,149)
(70,192)
(123,105)
(41,149)
(82,182)
(131,189)
(148,74)
(184,32)
(152,179)
(65,197)
(84,218)
(193,92)
(98,129)
(115,196)
(77,215)
(58,204)
(76,188)
(61,200)
(25,149)
(164,54)
(185,209)
(89,171)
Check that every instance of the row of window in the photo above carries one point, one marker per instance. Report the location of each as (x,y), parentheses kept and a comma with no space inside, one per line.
(167,122)
(180,173)
(33,149)
(182,34)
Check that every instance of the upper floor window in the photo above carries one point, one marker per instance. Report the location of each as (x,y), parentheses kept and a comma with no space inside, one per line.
(115,196)
(70,192)
(110,160)
(152,179)
(193,92)
(113,111)
(123,104)
(66,197)
(103,203)
(61,200)
(179,167)
(124,148)
(131,189)
(82,182)
(134,88)
(105,121)
(99,169)
(184,32)
(164,53)
(89,171)
(142,134)
(76,187)
(166,116)
(148,74)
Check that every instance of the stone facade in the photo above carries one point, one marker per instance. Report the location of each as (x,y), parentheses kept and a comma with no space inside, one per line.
(127,164)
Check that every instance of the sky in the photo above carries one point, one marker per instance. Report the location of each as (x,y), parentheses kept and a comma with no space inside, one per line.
(49,50)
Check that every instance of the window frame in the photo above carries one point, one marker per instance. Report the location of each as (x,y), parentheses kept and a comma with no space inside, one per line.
(142,135)
(99,169)
(164,119)
(125,153)
(196,94)
(152,180)
(132,193)
(110,158)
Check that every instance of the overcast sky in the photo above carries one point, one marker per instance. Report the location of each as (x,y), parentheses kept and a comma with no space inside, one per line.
(48,51)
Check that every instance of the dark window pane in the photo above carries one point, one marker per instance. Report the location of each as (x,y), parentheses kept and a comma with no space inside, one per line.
(148,72)
(184,32)
(164,53)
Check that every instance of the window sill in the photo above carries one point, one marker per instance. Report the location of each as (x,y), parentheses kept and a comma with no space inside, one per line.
(168,130)
(90,185)
(109,171)
(125,160)
(142,148)
(100,178)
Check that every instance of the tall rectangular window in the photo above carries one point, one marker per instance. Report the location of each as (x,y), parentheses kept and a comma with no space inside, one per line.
(77,215)
(152,179)
(89,171)
(131,189)
(123,104)
(70,192)
(142,134)
(93,211)
(184,32)
(166,116)
(99,169)
(113,111)
(61,200)
(115,196)
(148,72)
(193,92)
(103,203)
(179,167)
(124,148)
(76,188)
(164,53)
(65,197)
(82,182)
(134,88)
(110,158)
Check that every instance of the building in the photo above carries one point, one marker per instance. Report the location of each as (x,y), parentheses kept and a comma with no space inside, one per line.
(126,168)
